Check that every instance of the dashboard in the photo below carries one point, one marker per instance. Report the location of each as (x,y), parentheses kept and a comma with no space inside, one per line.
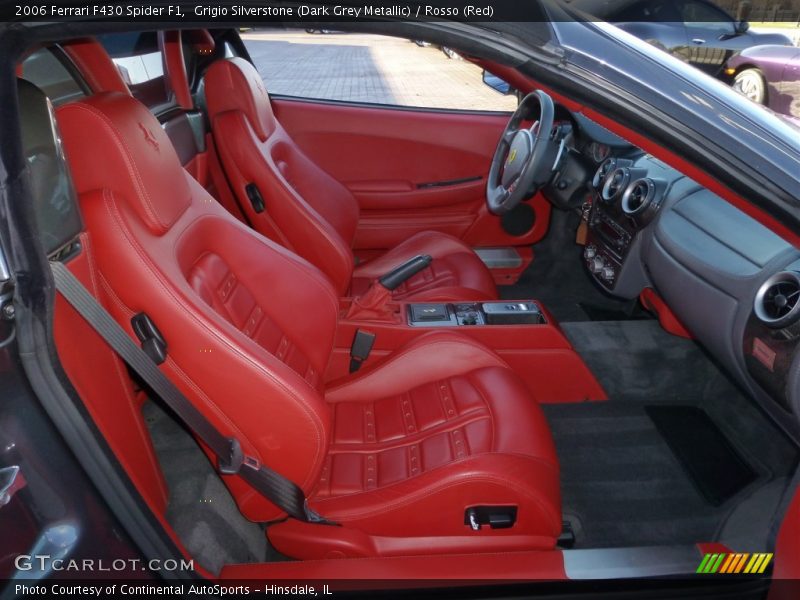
(733,283)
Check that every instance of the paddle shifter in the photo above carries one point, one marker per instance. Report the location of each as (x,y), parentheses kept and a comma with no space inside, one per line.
(372,305)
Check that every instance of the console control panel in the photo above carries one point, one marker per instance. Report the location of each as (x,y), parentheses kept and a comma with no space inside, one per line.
(607,246)
(470,314)
(601,264)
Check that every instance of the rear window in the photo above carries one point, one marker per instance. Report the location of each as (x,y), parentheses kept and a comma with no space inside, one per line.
(141,64)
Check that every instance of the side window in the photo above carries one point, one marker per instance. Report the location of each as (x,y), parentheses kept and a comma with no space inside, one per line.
(699,15)
(44,69)
(141,64)
(365,68)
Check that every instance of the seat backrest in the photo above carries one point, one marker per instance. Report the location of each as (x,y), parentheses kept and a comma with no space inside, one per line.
(249,326)
(306,210)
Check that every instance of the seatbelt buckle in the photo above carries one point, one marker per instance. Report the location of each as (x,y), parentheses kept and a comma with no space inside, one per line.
(362,346)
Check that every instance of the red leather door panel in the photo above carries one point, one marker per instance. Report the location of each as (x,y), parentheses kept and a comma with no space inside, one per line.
(386,156)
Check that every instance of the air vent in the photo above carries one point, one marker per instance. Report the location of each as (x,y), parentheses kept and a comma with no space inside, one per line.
(638,196)
(777,301)
(600,175)
(615,183)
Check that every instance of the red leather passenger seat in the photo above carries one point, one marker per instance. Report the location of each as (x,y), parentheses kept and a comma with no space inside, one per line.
(311,213)
(395,454)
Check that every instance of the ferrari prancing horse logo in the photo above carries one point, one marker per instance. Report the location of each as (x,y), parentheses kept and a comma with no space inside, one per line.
(148,136)
(512,156)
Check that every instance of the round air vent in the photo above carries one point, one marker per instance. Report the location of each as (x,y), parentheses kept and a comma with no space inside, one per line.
(615,183)
(638,196)
(602,171)
(776,302)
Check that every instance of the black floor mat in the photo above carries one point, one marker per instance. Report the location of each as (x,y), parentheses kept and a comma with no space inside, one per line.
(630,312)
(713,464)
(620,480)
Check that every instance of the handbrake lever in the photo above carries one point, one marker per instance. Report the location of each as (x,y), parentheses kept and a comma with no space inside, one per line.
(411,267)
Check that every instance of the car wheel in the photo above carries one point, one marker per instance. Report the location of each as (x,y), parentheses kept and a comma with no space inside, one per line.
(750,83)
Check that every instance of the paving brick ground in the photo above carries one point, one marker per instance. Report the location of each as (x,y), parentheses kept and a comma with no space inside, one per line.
(368,68)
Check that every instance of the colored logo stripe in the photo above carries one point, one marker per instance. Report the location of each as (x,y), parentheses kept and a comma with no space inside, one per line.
(740,565)
(735,563)
(727,564)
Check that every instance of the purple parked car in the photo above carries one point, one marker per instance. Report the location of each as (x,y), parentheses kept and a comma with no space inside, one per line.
(769,75)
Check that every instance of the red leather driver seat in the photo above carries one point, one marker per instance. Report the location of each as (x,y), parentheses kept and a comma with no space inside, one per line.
(395,454)
(311,213)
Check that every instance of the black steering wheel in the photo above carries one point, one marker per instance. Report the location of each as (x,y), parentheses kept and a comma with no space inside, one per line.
(524,158)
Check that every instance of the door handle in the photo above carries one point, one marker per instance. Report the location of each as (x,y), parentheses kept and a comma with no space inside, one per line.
(698,41)
(8,477)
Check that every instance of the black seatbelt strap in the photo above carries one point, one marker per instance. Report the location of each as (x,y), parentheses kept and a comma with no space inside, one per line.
(279,490)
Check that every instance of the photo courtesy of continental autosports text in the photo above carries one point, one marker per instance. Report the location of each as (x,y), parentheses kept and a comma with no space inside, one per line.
(477,299)
(161,590)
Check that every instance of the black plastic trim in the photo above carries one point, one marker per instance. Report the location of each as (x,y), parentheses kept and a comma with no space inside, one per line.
(439,184)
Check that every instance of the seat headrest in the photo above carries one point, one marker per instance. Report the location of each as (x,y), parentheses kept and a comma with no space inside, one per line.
(234,84)
(201,40)
(113,142)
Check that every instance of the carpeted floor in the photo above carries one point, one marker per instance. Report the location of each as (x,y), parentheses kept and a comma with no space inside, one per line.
(201,510)
(621,483)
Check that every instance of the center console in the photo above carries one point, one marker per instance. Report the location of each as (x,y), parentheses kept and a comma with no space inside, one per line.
(522,333)
(624,201)
(471,314)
